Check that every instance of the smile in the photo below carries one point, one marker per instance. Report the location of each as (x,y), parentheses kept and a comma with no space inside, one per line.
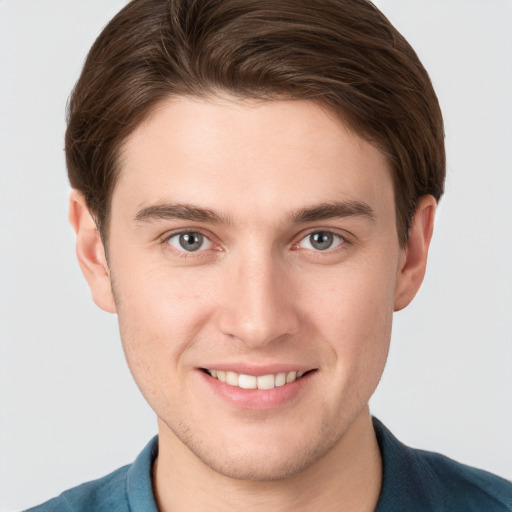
(243,381)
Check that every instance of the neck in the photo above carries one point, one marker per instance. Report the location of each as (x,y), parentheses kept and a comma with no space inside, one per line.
(348,477)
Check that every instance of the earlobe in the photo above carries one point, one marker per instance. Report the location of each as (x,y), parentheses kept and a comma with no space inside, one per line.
(414,263)
(91,252)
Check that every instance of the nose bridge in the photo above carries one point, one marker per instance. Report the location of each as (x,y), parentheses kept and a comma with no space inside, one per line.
(257,305)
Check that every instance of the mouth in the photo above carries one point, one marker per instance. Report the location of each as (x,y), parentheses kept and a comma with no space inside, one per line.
(263,382)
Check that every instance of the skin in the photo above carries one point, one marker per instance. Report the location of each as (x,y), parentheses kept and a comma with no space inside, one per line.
(256,293)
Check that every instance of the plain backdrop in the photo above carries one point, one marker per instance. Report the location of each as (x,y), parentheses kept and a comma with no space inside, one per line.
(69,410)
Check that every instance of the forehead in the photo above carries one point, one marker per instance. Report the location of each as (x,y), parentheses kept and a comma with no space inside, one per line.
(241,156)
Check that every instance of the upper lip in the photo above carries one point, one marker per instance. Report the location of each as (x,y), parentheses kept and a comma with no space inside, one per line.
(258,370)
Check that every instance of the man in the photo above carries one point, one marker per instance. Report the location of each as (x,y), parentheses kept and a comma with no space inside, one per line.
(255,185)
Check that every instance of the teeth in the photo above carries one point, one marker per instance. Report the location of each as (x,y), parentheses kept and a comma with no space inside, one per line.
(266,382)
(232,378)
(252,382)
(291,377)
(280,379)
(247,381)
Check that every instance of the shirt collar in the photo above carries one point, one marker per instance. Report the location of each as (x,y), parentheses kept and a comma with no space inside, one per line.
(139,488)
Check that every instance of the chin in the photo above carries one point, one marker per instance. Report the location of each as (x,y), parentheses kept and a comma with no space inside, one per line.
(269,458)
(263,466)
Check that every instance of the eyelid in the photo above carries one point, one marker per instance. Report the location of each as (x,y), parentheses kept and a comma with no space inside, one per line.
(205,241)
(165,238)
(344,238)
(187,229)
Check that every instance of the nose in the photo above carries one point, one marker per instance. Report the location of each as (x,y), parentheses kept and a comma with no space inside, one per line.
(258,303)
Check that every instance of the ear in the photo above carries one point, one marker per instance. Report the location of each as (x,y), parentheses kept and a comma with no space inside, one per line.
(91,252)
(414,260)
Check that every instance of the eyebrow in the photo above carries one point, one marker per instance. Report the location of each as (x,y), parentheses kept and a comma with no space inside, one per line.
(332,210)
(170,211)
(322,211)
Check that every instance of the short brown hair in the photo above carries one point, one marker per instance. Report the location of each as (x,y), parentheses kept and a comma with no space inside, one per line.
(344,54)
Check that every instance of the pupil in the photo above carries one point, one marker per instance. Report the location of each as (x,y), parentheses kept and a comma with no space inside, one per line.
(191,241)
(321,240)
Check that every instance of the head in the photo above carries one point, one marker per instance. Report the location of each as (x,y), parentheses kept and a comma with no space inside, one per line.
(264,176)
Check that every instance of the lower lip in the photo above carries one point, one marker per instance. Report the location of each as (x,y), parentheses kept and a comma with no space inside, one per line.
(256,399)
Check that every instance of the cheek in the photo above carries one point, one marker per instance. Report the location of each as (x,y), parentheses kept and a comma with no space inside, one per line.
(160,298)
(353,312)
(160,315)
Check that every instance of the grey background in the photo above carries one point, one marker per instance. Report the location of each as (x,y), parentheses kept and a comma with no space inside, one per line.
(69,410)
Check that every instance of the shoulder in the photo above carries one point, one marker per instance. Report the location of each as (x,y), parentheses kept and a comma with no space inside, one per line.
(107,493)
(425,481)
(127,489)
(468,486)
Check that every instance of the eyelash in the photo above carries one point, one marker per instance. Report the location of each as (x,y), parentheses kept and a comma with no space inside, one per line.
(183,253)
(165,240)
(342,240)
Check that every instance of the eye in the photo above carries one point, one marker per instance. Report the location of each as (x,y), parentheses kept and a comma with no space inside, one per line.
(189,241)
(321,241)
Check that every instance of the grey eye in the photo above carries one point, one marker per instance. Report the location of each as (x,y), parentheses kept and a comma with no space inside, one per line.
(190,241)
(321,241)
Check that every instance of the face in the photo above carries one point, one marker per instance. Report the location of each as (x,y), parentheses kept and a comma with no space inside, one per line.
(254,260)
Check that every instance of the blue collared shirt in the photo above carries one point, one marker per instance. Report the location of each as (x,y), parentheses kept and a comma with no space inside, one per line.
(413,480)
